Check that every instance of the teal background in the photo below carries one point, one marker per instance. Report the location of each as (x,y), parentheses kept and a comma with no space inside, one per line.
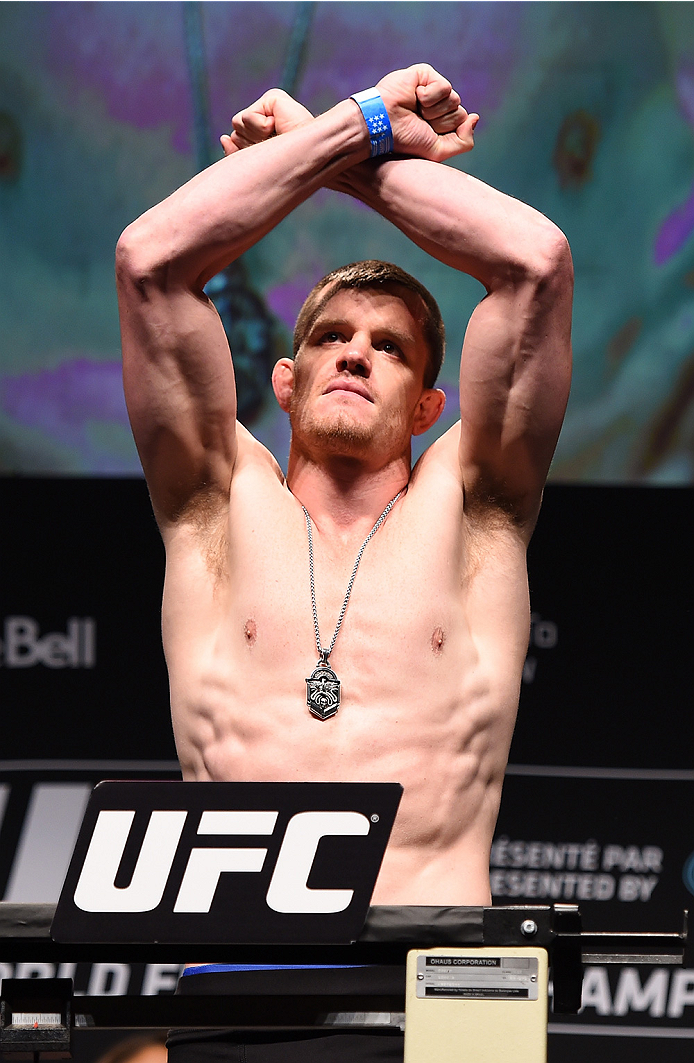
(587,113)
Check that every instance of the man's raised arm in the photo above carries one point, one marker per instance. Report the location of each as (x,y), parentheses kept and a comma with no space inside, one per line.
(515,367)
(178,376)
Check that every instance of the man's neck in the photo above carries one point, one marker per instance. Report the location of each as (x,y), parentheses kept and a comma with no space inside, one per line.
(342,495)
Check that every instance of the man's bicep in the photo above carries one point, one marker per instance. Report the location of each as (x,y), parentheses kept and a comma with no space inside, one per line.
(180,393)
(514,384)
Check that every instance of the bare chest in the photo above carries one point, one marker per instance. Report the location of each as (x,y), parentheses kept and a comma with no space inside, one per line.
(396,601)
(425,649)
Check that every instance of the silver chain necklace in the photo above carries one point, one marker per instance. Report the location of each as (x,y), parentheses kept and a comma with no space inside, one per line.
(323,686)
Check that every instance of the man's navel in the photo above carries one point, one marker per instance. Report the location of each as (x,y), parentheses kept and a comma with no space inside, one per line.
(250,632)
(437,640)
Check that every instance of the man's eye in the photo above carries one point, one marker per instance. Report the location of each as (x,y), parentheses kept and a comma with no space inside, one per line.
(330,337)
(390,348)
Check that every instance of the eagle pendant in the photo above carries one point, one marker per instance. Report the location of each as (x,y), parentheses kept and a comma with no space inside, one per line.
(323,691)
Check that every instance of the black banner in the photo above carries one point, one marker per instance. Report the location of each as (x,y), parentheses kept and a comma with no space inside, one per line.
(82,671)
(237,862)
(620,843)
(608,678)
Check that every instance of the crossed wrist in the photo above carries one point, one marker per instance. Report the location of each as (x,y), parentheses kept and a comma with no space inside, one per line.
(377,121)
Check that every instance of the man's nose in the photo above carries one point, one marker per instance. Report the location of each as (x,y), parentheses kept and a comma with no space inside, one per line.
(355,357)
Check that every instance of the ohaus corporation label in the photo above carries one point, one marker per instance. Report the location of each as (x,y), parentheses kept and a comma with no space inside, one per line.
(478,977)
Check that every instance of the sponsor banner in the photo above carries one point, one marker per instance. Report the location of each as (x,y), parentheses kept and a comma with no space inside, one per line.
(603,842)
(638,994)
(618,844)
(82,671)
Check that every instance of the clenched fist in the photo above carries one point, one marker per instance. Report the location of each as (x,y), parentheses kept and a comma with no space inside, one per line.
(274,113)
(425,114)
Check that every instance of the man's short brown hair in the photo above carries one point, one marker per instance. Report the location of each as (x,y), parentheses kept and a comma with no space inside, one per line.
(376,275)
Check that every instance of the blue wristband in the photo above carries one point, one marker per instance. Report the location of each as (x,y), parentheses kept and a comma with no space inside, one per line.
(376,117)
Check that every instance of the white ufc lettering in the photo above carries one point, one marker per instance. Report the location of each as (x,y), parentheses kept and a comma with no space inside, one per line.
(288,891)
(206,865)
(96,891)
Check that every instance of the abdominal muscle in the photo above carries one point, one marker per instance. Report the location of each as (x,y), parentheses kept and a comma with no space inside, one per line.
(439,727)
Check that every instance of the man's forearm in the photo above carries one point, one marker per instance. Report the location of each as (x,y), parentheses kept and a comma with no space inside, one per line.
(456,218)
(228,207)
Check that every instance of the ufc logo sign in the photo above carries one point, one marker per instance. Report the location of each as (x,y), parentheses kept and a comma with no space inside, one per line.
(96,890)
(225,862)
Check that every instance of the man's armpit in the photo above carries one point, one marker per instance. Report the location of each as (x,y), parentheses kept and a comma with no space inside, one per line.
(204,518)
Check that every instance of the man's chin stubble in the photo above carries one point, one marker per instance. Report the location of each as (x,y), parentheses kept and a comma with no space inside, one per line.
(339,436)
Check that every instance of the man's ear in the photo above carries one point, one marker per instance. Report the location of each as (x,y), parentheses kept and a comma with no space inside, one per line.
(429,409)
(283,382)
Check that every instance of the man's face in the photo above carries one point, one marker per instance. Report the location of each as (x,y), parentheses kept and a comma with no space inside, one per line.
(358,376)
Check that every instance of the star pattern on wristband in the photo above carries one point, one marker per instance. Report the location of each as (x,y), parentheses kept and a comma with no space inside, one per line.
(377,123)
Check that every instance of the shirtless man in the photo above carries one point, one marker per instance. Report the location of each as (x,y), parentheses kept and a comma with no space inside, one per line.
(431,650)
